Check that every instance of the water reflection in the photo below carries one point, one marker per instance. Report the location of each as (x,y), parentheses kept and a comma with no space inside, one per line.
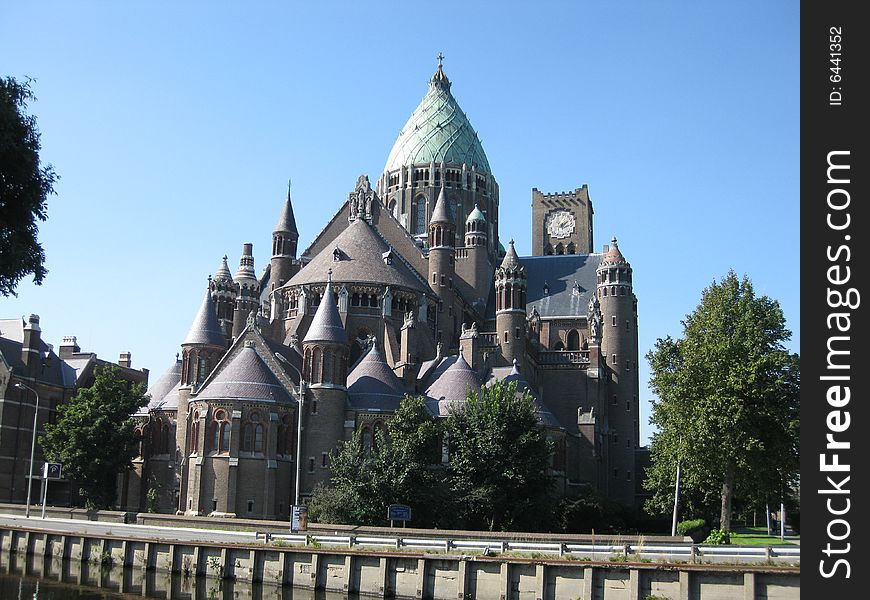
(35,578)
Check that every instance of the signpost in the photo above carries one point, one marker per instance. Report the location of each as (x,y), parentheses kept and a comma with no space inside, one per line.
(399,512)
(299,519)
(49,471)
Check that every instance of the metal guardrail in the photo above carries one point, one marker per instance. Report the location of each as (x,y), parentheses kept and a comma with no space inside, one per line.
(687,552)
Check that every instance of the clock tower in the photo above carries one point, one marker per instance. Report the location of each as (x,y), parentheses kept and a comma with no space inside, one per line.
(561,222)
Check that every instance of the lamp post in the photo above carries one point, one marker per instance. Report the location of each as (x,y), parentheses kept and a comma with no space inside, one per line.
(21,386)
(676,489)
(300,398)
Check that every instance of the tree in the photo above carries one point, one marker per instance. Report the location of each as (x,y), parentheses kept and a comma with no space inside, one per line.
(727,403)
(399,467)
(93,436)
(24,187)
(499,460)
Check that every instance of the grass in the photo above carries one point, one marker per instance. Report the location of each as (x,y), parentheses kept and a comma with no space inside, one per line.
(757,536)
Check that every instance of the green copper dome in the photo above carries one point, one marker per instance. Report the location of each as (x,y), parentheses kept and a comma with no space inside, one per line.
(438,131)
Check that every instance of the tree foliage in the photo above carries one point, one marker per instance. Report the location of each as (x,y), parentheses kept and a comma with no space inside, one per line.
(93,436)
(496,477)
(727,405)
(398,468)
(24,187)
(499,460)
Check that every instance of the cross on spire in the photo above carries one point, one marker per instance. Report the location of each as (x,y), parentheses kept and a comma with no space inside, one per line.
(440,57)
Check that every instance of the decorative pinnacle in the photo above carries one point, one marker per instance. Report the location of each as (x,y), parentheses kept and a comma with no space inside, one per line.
(289,185)
(329,275)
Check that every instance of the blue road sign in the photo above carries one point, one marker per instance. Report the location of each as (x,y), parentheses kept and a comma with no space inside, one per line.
(399,512)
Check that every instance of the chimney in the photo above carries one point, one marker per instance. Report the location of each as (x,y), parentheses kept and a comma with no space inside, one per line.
(31,347)
(69,346)
(125,359)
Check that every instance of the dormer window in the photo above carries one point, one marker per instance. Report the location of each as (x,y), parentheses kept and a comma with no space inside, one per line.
(336,255)
(388,257)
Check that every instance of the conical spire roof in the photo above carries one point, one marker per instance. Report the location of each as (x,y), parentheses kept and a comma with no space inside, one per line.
(326,325)
(223,271)
(613,254)
(511,260)
(373,384)
(245,376)
(451,388)
(547,418)
(287,221)
(441,214)
(205,329)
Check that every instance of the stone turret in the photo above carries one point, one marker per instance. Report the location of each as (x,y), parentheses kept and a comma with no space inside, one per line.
(247,290)
(325,366)
(203,346)
(511,285)
(619,353)
(284,241)
(223,291)
(442,238)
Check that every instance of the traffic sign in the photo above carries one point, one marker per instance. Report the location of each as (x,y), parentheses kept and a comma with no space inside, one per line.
(51,470)
(399,512)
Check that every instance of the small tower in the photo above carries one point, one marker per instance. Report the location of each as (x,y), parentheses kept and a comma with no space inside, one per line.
(223,292)
(324,367)
(203,346)
(247,290)
(442,237)
(619,353)
(480,269)
(510,307)
(284,241)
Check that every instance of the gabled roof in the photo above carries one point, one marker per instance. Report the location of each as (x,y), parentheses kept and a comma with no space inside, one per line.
(205,329)
(246,376)
(450,390)
(373,385)
(551,280)
(360,260)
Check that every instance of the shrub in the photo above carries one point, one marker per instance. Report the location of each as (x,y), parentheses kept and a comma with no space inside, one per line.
(718,536)
(697,529)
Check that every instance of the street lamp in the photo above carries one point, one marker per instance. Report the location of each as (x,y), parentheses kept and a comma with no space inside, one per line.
(21,386)
(300,398)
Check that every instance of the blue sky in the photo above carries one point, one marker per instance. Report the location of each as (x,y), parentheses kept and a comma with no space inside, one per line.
(175,129)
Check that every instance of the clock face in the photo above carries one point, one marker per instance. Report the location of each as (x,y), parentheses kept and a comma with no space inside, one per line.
(560,224)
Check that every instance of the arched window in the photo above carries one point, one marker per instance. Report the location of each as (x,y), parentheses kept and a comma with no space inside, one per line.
(419,215)
(366,440)
(193,442)
(317,366)
(548,250)
(259,433)
(221,437)
(571,248)
(560,249)
(139,436)
(573,340)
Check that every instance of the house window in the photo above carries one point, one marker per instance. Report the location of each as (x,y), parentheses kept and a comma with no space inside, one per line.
(311,464)
(250,506)
(324,460)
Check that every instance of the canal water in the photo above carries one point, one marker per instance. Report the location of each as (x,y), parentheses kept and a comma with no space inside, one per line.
(35,578)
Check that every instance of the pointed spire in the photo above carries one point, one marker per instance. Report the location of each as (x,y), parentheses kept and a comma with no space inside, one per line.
(613,254)
(441,214)
(287,221)
(205,329)
(439,79)
(326,326)
(223,271)
(511,260)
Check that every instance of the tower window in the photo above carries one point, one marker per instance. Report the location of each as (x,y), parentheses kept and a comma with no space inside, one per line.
(628,406)
(613,320)
(250,506)
(324,460)
(311,464)
(613,359)
(615,473)
(517,332)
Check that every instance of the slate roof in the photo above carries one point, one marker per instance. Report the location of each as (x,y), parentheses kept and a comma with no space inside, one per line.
(560,272)
(508,374)
(438,131)
(451,388)
(205,328)
(441,213)
(373,385)
(163,394)
(223,271)
(361,249)
(326,326)
(245,377)
(287,221)
(54,371)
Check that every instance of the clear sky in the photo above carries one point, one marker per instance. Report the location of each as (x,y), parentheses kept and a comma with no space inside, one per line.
(175,126)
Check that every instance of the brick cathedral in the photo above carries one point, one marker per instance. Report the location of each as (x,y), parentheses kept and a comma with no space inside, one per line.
(408,289)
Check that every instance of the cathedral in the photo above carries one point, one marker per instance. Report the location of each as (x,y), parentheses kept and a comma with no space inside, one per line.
(408,289)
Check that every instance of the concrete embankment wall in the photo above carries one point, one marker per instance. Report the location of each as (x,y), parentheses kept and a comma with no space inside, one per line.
(408,575)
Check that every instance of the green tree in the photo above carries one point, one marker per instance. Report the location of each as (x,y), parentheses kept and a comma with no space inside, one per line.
(499,460)
(93,436)
(727,404)
(24,187)
(400,467)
